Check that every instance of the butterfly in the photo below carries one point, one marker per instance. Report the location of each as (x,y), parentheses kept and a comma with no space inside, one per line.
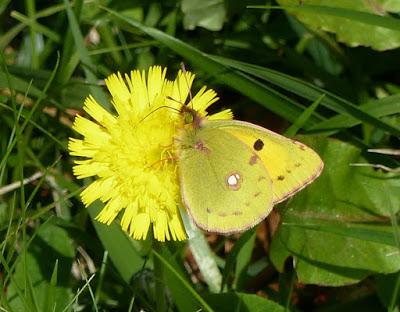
(232,173)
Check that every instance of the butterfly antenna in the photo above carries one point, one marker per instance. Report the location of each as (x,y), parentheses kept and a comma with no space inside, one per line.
(183,68)
(163,106)
(175,100)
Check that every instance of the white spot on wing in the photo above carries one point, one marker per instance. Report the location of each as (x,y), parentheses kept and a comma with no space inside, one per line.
(233,181)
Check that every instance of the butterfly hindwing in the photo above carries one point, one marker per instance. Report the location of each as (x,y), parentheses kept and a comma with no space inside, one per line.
(290,164)
(225,186)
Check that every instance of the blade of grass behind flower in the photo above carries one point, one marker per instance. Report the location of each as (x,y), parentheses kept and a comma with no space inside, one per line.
(247,238)
(33,28)
(394,301)
(354,15)
(60,144)
(18,84)
(100,276)
(109,40)
(8,272)
(20,128)
(50,294)
(70,57)
(302,120)
(88,65)
(78,293)
(181,281)
(8,36)
(243,260)
(30,292)
(386,106)
(36,27)
(310,92)
(258,92)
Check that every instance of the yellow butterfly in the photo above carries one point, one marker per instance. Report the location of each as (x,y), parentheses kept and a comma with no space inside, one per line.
(233,172)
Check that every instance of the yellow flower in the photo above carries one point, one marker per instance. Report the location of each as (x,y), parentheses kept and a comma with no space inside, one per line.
(132,154)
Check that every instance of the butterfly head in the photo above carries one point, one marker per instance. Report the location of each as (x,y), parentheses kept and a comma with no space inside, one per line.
(191,117)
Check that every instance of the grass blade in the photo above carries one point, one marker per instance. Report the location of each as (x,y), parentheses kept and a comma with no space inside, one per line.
(358,16)
(310,92)
(84,55)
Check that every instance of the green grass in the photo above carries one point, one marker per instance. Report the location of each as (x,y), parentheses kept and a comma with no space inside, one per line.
(271,68)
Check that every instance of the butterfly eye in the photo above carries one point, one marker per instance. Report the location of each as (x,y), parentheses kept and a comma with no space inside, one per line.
(258,145)
(188,118)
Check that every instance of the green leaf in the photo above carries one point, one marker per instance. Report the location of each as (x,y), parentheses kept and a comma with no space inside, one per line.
(241,302)
(314,272)
(51,245)
(354,22)
(339,228)
(209,14)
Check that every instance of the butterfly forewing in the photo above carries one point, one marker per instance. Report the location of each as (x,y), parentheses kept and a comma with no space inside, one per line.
(290,164)
(225,186)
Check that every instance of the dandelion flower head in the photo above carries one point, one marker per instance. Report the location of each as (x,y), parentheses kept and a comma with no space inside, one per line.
(131,153)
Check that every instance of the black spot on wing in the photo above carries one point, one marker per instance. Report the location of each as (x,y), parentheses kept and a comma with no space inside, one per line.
(258,145)
(281,178)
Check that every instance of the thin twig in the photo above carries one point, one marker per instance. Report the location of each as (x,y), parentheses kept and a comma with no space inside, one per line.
(89,262)
(15,185)
(55,192)
(385,151)
(376,166)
